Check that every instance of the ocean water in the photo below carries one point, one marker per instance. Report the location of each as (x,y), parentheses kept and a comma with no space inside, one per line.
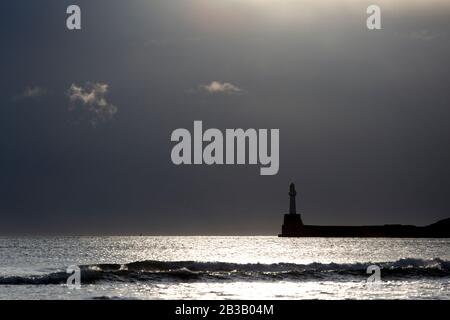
(224,268)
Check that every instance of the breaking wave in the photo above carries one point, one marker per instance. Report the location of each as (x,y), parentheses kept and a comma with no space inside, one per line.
(189,271)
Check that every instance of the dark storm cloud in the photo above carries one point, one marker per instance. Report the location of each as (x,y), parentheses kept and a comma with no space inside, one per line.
(362,115)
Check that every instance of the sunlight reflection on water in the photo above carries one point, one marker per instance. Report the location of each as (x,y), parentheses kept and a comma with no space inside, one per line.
(42,256)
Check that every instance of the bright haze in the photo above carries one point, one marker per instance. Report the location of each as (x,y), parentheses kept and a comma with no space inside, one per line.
(86,116)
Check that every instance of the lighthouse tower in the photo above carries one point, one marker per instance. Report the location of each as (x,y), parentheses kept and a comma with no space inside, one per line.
(292,194)
(293,225)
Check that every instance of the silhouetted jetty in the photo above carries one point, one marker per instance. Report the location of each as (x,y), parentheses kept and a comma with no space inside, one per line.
(293,227)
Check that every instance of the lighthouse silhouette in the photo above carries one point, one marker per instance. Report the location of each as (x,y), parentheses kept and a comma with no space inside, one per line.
(292,224)
(292,194)
(293,227)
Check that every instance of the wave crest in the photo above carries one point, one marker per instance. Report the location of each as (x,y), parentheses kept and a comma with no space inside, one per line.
(163,271)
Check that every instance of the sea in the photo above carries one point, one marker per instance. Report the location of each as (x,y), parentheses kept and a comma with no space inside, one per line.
(201,267)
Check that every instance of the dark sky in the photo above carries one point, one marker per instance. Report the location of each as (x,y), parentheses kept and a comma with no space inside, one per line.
(363,115)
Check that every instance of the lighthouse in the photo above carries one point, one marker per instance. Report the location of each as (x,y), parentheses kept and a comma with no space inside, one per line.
(292,194)
(292,225)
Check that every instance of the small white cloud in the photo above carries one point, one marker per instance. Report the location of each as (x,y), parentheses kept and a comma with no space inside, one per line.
(90,101)
(220,87)
(31,93)
(424,35)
